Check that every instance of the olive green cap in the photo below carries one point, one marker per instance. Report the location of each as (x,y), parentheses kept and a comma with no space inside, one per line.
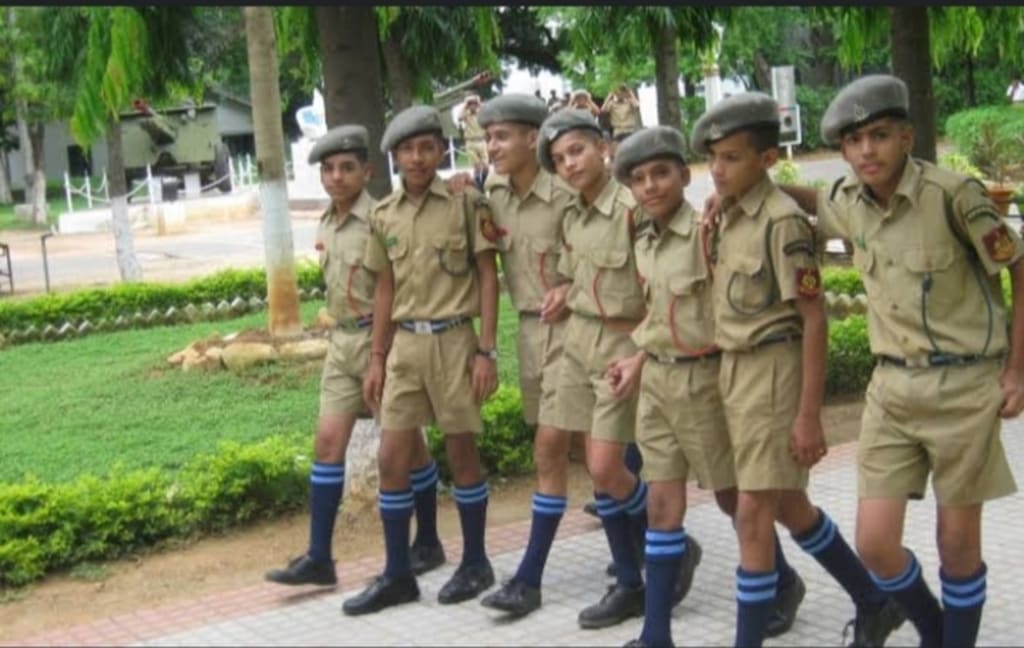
(558,124)
(647,144)
(734,113)
(516,107)
(340,139)
(414,120)
(862,101)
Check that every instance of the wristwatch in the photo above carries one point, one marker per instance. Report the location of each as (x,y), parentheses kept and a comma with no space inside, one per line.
(490,354)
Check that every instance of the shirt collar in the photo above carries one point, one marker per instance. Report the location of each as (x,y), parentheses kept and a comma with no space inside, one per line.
(437,187)
(605,201)
(541,186)
(907,187)
(682,221)
(751,202)
(360,209)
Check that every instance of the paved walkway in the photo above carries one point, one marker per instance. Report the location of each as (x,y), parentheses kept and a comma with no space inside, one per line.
(265,614)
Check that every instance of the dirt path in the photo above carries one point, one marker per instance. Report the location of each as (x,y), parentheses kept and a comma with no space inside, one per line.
(188,570)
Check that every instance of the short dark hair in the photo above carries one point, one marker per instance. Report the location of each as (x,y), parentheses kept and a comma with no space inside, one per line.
(763,136)
(360,154)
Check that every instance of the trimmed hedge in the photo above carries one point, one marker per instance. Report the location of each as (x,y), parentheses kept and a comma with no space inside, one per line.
(126,298)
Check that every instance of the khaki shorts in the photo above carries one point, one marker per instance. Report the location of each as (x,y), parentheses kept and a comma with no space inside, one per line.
(477,151)
(428,379)
(585,401)
(761,393)
(539,349)
(341,383)
(943,420)
(680,424)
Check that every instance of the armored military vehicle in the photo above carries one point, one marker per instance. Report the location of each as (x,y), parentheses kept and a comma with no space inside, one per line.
(448,98)
(174,142)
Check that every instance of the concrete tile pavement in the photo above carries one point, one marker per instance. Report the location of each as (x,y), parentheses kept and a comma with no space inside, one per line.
(272,615)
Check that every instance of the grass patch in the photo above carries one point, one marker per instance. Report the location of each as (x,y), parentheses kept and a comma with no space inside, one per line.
(85,406)
(90,572)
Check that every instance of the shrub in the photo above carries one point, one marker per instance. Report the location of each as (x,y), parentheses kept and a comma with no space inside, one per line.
(125,298)
(992,138)
(842,281)
(813,102)
(786,172)
(850,363)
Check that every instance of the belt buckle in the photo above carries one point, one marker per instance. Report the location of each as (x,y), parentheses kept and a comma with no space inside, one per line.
(422,327)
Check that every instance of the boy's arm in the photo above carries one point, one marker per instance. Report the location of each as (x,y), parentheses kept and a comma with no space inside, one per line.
(1012,378)
(806,197)
(485,373)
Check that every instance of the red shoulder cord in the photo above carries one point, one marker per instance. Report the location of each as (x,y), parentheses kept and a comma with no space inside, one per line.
(711,348)
(631,228)
(352,270)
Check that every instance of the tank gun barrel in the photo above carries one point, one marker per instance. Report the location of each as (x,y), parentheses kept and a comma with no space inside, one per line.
(477,80)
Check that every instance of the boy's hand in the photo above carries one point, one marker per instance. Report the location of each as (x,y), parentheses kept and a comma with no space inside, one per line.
(552,307)
(807,440)
(712,212)
(624,375)
(485,377)
(1012,382)
(458,182)
(373,383)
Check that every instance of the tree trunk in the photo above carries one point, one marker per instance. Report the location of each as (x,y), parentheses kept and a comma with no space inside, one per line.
(25,146)
(36,132)
(972,96)
(912,62)
(282,284)
(353,84)
(5,178)
(124,240)
(666,76)
(399,77)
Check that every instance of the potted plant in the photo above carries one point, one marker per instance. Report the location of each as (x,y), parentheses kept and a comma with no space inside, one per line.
(992,140)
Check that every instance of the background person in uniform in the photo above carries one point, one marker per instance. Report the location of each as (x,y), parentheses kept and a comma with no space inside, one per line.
(434,255)
(473,134)
(605,303)
(623,110)
(947,371)
(680,420)
(528,204)
(341,245)
(770,323)
(581,100)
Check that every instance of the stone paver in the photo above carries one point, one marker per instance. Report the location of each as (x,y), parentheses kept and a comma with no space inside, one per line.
(270,615)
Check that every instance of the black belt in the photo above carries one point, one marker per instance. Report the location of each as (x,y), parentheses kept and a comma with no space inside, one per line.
(430,327)
(683,359)
(775,339)
(933,360)
(355,324)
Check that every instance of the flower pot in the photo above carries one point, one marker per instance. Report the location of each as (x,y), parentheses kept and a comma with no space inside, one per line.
(1001,196)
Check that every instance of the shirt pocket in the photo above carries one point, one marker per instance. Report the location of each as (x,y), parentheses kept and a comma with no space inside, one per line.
(687,300)
(614,283)
(544,263)
(937,279)
(452,256)
(358,282)
(750,288)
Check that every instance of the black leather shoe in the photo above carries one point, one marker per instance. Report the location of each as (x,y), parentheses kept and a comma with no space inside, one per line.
(424,558)
(304,571)
(382,593)
(786,603)
(466,583)
(515,597)
(618,604)
(871,629)
(691,558)
(590,508)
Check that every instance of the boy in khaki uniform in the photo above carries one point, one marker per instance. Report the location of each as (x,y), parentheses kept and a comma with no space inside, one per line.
(770,323)
(529,204)
(606,302)
(680,420)
(434,255)
(929,246)
(476,144)
(341,244)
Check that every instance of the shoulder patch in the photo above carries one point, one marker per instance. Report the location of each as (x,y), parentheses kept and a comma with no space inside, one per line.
(390,242)
(808,282)
(799,246)
(999,244)
(485,217)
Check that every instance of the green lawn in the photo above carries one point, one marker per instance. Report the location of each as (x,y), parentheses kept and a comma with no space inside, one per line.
(83,406)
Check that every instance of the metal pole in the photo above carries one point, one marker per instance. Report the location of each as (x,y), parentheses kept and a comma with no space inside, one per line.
(149,185)
(46,262)
(88,191)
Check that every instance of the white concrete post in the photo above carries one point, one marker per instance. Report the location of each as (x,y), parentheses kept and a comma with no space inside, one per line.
(67,192)
(88,191)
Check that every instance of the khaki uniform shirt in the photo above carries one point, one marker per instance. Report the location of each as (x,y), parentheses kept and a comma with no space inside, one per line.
(676,287)
(341,243)
(622,116)
(754,291)
(530,230)
(471,128)
(923,295)
(430,248)
(598,255)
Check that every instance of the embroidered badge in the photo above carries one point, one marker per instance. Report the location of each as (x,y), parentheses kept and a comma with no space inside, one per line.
(714,131)
(319,246)
(489,230)
(999,244)
(390,242)
(860,113)
(808,282)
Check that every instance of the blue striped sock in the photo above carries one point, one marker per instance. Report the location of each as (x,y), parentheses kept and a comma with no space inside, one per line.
(636,508)
(616,523)
(826,544)
(547,513)
(326,484)
(755,600)
(912,593)
(664,554)
(395,511)
(424,486)
(472,504)
(962,601)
